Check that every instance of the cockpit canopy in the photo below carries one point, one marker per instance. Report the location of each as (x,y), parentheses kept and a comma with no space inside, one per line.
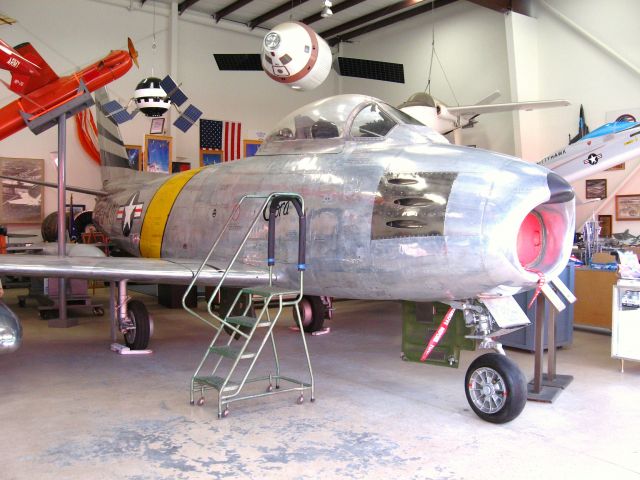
(334,120)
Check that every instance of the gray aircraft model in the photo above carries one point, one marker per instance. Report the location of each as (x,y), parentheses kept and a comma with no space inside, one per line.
(391,215)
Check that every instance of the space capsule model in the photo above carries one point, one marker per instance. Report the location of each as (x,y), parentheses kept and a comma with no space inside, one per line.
(295,55)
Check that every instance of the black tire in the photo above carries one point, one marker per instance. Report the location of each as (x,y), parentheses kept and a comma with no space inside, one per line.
(496,388)
(227,296)
(138,339)
(313,313)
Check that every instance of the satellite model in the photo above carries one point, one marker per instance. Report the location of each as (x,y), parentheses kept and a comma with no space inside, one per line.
(153,97)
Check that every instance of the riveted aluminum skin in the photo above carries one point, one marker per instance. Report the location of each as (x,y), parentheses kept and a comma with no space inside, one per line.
(400,216)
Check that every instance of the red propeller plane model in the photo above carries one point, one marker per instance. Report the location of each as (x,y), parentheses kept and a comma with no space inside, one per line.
(41,90)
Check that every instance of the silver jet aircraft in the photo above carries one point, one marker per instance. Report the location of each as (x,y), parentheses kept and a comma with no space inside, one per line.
(392,214)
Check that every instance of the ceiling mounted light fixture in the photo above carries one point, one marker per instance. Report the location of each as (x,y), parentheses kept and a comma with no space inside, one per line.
(326,9)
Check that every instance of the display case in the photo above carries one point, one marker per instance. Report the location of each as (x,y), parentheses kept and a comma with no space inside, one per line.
(625,331)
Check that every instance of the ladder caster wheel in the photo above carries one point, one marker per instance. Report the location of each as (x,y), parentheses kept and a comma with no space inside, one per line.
(312,399)
(300,400)
(191,402)
(270,388)
(224,414)
(200,401)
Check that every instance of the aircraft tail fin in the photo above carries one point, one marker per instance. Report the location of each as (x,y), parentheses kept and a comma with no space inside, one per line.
(583,128)
(24,84)
(113,154)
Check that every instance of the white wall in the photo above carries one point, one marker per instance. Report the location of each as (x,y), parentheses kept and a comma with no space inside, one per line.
(470,43)
(571,67)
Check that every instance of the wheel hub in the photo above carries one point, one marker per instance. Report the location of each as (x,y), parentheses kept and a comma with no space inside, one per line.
(487,390)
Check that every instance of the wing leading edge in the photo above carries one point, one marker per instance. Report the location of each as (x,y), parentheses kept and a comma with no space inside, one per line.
(473,110)
(177,272)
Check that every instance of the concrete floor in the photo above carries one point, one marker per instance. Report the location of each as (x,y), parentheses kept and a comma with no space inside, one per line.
(70,408)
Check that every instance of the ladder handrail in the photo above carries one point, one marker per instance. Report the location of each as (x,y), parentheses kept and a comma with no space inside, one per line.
(299,204)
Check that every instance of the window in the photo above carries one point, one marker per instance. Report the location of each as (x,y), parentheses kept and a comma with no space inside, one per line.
(371,122)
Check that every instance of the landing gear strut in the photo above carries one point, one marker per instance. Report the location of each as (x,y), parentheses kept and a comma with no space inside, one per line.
(133,320)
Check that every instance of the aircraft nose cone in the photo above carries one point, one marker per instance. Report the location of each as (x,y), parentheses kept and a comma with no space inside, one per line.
(560,190)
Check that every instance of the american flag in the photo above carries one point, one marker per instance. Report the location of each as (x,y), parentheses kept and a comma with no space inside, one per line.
(219,135)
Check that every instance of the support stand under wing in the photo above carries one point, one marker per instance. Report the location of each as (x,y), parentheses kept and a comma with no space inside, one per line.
(37,124)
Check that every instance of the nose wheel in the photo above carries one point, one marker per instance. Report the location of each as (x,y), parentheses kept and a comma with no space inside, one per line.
(496,388)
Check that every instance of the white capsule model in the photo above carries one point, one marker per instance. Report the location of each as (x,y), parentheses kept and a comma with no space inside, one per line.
(295,55)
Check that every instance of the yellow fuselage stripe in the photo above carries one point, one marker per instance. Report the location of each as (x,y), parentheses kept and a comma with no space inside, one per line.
(157,214)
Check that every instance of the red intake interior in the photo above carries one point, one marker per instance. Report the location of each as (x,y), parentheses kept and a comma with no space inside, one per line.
(530,240)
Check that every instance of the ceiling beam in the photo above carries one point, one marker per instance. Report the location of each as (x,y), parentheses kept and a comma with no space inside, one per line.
(184,4)
(223,12)
(335,9)
(424,8)
(395,7)
(503,6)
(285,7)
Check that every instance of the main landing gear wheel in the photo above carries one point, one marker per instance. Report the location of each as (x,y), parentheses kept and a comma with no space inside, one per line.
(138,338)
(496,388)
(313,312)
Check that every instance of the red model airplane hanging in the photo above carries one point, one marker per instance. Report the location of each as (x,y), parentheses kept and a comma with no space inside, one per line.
(41,90)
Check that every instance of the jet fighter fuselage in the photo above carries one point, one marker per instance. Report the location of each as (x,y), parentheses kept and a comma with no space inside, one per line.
(390,213)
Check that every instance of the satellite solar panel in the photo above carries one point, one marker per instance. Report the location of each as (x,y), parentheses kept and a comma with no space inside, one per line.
(238,61)
(188,118)
(112,107)
(192,113)
(182,123)
(173,91)
(371,69)
(114,110)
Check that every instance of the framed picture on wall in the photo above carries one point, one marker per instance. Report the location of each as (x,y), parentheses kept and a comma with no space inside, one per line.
(627,207)
(157,126)
(21,202)
(620,166)
(250,147)
(158,151)
(211,157)
(135,156)
(605,222)
(596,188)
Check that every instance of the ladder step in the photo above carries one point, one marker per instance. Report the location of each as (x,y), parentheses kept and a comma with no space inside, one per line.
(267,291)
(215,382)
(230,352)
(246,321)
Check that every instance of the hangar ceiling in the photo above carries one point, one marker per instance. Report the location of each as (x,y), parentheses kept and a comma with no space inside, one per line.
(350,19)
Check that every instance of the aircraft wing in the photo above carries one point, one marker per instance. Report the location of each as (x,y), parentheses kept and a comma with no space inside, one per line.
(143,270)
(475,110)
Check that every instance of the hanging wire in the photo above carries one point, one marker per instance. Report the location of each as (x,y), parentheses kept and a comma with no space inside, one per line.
(154,44)
(434,53)
(433,49)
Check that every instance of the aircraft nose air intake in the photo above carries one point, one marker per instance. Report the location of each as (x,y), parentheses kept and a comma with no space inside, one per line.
(546,230)
(559,188)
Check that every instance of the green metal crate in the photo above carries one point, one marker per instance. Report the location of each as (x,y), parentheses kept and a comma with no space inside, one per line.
(419,323)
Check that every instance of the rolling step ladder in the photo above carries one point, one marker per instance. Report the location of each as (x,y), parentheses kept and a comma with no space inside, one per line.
(226,366)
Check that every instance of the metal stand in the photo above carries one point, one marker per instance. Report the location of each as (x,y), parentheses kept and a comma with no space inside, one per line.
(38,124)
(546,387)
